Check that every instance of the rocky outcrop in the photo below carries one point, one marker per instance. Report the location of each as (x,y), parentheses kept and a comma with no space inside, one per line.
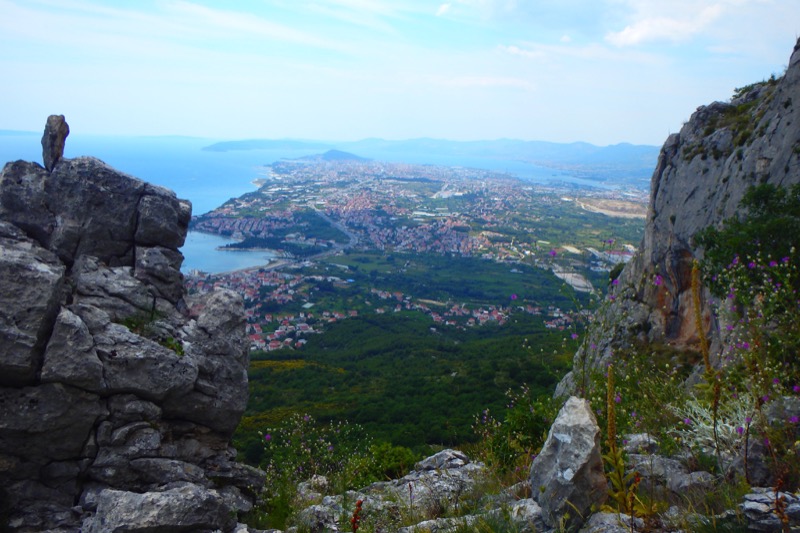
(441,484)
(118,401)
(53,140)
(701,176)
(567,477)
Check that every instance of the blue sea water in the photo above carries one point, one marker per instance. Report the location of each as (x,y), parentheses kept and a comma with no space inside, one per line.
(200,252)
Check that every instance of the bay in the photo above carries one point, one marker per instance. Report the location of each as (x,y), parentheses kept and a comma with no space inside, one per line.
(200,253)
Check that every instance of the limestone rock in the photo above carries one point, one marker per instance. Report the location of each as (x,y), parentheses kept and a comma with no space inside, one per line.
(217,342)
(185,507)
(86,207)
(53,140)
(47,422)
(759,508)
(443,459)
(112,396)
(668,479)
(29,299)
(567,476)
(611,523)
(441,482)
(70,357)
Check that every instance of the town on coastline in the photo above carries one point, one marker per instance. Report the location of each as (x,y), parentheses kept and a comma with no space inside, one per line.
(348,224)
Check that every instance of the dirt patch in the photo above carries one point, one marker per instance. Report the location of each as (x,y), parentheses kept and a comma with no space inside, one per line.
(613,208)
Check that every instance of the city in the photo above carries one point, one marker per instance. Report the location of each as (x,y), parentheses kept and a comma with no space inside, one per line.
(348,224)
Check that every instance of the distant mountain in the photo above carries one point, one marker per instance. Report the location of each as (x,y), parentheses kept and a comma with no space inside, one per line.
(266,144)
(333,155)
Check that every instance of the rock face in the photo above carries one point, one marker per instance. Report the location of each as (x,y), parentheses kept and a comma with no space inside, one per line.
(118,404)
(701,176)
(567,476)
(53,140)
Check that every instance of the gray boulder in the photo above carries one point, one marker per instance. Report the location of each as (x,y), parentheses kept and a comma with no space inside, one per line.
(186,507)
(668,479)
(567,476)
(611,523)
(760,508)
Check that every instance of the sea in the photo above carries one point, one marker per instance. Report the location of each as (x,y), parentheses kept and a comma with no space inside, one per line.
(209,178)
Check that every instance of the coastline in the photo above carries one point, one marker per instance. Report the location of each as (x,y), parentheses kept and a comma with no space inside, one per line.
(273,264)
(204,251)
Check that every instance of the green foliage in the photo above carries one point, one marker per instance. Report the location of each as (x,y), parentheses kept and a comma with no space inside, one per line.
(391,462)
(145,325)
(508,446)
(442,278)
(771,229)
(299,449)
(752,264)
(404,383)
(615,272)
(647,377)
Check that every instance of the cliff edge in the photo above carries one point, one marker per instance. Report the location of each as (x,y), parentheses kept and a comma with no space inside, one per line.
(700,178)
(119,394)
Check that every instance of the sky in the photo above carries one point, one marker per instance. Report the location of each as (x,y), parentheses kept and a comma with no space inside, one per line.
(598,71)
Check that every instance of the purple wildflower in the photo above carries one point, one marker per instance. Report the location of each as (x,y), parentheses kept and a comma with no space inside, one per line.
(267,437)
(553,253)
(740,430)
(658,280)
(574,336)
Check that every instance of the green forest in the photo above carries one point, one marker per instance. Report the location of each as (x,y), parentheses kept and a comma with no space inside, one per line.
(405,382)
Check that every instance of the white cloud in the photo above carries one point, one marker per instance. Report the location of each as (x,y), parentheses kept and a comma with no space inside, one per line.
(661,28)
(443,9)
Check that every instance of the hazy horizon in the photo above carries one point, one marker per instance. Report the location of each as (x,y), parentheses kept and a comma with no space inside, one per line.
(601,72)
(212,140)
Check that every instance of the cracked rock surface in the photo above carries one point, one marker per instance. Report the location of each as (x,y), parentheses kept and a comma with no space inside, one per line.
(117,404)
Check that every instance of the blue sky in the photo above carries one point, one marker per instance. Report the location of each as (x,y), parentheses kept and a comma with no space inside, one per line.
(601,71)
